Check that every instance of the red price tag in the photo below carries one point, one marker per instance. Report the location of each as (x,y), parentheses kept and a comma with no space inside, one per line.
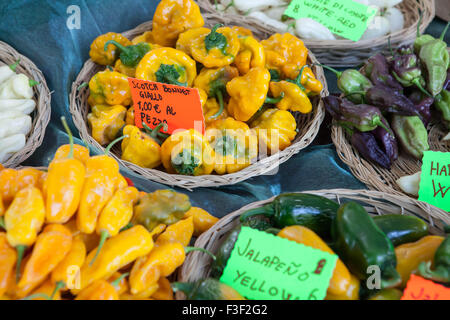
(155,102)
(418,288)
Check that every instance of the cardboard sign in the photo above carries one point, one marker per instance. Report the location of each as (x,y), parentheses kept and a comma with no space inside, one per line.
(266,267)
(419,288)
(435,179)
(345,18)
(155,102)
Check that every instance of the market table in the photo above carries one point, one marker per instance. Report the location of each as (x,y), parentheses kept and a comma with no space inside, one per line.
(38,29)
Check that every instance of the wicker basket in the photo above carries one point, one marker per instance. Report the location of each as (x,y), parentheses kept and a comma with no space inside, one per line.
(345,53)
(197,264)
(308,124)
(41,115)
(376,177)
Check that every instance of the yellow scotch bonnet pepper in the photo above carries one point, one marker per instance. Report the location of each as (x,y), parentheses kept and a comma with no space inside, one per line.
(106,122)
(109,87)
(108,57)
(251,55)
(203,220)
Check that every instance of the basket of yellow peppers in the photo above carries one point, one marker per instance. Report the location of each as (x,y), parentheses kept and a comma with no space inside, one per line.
(79,230)
(260,95)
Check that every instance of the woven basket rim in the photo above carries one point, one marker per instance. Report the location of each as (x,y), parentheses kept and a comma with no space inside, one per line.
(42,96)
(261,167)
(197,264)
(342,52)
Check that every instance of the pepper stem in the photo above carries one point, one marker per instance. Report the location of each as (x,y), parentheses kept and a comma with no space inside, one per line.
(298,80)
(157,129)
(219,96)
(266,210)
(2,223)
(337,73)
(419,23)
(103,236)
(118,45)
(116,282)
(32,82)
(416,82)
(378,122)
(81,86)
(442,275)
(37,295)
(109,147)
(13,66)
(128,226)
(69,133)
(190,249)
(150,131)
(59,286)
(274,100)
(444,32)
(393,279)
(185,287)
(20,251)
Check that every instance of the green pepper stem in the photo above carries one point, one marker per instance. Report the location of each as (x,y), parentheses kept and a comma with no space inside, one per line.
(69,133)
(175,82)
(219,96)
(118,45)
(274,100)
(337,73)
(81,86)
(103,236)
(438,275)
(20,251)
(32,82)
(157,129)
(59,286)
(37,295)
(444,32)
(150,131)
(2,223)
(128,226)
(182,286)
(393,278)
(13,66)
(116,282)
(376,121)
(190,249)
(109,147)
(298,80)
(266,210)
(416,82)
(419,23)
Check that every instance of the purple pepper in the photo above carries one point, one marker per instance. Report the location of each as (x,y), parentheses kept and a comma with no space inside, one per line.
(377,70)
(447,81)
(367,146)
(387,141)
(390,100)
(424,108)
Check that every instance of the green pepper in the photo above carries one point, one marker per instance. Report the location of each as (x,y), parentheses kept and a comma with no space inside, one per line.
(412,134)
(216,40)
(442,103)
(312,211)
(351,81)
(260,223)
(401,228)
(130,55)
(387,294)
(361,244)
(441,272)
(207,289)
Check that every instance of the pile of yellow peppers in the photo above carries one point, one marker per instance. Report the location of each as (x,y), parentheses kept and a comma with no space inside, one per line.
(248,89)
(81,231)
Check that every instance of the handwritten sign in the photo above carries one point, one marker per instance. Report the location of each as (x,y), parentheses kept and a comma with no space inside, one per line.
(435,179)
(346,18)
(266,267)
(418,288)
(155,102)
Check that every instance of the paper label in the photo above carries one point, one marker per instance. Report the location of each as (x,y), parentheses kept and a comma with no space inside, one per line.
(345,18)
(155,102)
(435,179)
(266,267)
(419,288)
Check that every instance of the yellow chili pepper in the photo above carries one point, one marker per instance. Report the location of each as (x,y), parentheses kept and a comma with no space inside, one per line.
(211,109)
(98,290)
(63,186)
(285,53)
(23,220)
(8,257)
(47,291)
(51,247)
(28,177)
(202,220)
(276,129)
(164,291)
(340,281)
(8,185)
(173,17)
(106,122)
(180,231)
(117,252)
(187,153)
(248,93)
(184,42)
(79,152)
(352,292)
(251,55)
(234,144)
(119,282)
(140,148)
(109,87)
(308,80)
(98,53)
(410,255)
(116,215)
(295,99)
(167,65)
(129,120)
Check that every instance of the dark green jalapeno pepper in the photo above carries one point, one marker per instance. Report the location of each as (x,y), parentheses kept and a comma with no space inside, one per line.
(441,272)
(311,211)
(361,244)
(130,55)
(401,228)
(412,134)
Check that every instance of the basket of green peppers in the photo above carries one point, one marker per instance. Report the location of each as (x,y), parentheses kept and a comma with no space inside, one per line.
(362,227)
(392,110)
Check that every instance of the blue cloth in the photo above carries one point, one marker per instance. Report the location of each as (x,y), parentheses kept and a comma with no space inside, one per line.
(38,30)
